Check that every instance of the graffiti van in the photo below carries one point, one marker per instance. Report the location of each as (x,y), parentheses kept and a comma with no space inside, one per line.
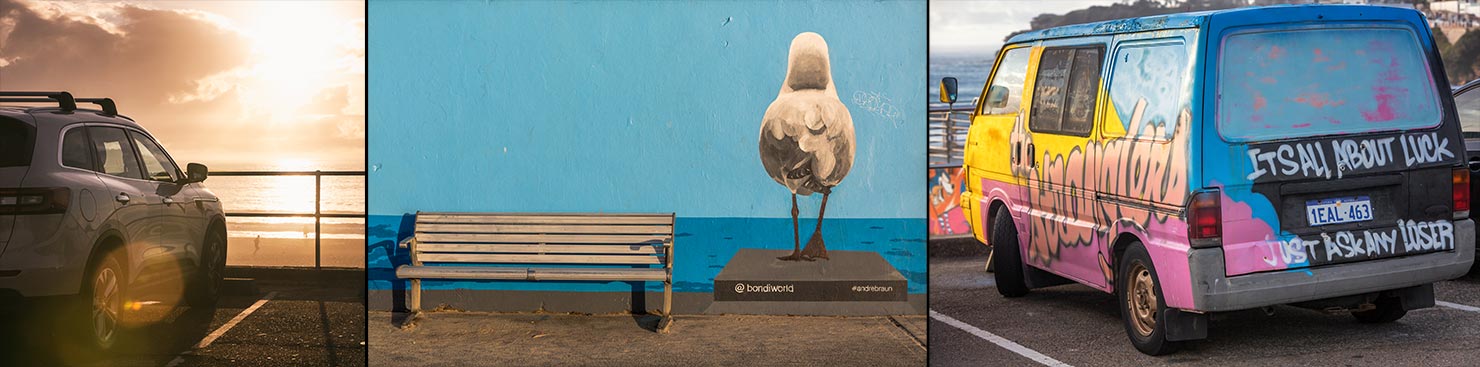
(1219,161)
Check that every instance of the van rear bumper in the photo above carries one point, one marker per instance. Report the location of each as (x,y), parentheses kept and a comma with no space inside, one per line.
(1212,291)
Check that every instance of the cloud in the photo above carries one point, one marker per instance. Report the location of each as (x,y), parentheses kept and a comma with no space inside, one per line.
(191,77)
(981,26)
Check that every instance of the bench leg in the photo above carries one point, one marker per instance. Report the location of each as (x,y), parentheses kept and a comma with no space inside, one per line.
(416,296)
(667,307)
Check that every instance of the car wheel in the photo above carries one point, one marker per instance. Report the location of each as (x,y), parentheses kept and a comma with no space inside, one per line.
(1141,302)
(1388,310)
(105,294)
(209,279)
(1007,264)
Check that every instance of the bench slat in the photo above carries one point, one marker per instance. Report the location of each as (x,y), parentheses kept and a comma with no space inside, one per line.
(461,272)
(536,238)
(504,273)
(540,259)
(544,229)
(511,219)
(566,249)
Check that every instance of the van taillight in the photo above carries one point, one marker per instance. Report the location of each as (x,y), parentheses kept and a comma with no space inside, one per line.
(34,201)
(1205,219)
(1461,193)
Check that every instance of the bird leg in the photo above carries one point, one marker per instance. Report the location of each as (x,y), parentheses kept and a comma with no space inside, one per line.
(796,236)
(815,248)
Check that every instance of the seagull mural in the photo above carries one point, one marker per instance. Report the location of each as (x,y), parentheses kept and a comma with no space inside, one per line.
(806,141)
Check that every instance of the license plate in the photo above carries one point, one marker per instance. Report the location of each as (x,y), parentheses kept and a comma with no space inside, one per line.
(1339,210)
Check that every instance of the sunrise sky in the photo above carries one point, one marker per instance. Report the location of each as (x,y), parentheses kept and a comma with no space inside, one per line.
(231,84)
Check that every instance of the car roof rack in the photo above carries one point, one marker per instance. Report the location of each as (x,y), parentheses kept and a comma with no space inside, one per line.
(63,100)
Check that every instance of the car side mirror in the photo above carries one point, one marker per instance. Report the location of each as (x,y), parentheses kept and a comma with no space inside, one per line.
(195,172)
(997,96)
(948,90)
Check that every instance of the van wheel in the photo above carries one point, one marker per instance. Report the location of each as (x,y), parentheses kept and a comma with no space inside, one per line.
(1141,302)
(209,279)
(103,295)
(1388,310)
(1007,265)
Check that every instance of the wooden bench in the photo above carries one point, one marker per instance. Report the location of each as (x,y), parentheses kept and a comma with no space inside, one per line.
(464,244)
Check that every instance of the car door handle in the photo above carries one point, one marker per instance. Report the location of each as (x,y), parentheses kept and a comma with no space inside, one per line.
(122,198)
(167,200)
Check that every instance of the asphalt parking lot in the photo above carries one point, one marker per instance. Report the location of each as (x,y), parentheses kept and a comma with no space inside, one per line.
(266,317)
(972,325)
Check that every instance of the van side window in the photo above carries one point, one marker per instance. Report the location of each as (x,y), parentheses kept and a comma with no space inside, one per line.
(76,150)
(1151,77)
(115,154)
(1010,75)
(1064,93)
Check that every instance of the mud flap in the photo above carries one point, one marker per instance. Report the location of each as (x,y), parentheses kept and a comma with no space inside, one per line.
(1039,278)
(1184,325)
(1415,297)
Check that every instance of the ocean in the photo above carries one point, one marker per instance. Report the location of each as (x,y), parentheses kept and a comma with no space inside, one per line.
(256,241)
(970,69)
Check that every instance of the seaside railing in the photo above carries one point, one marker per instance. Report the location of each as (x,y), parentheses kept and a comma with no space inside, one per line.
(317,215)
(946,128)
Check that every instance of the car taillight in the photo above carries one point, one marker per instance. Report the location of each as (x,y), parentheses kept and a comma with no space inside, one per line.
(1205,219)
(50,200)
(1461,193)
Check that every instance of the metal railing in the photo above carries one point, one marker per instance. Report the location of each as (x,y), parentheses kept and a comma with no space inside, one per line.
(318,214)
(946,130)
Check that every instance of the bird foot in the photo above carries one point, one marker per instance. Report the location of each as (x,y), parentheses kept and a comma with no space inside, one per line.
(795,256)
(815,249)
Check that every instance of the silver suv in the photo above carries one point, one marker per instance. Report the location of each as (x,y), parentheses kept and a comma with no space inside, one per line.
(95,214)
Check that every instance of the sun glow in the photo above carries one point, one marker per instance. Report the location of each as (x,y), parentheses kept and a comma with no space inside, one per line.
(299,48)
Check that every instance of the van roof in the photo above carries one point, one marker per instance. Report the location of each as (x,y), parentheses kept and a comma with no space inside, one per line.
(1223,18)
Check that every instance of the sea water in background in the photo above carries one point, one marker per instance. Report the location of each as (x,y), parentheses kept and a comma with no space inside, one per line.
(970,69)
(255,241)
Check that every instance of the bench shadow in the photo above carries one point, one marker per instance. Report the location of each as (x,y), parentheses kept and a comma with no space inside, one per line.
(640,313)
(398,257)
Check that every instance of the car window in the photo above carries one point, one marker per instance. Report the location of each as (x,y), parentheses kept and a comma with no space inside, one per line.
(1282,84)
(1011,75)
(16,139)
(77,150)
(1151,77)
(114,153)
(157,165)
(1064,93)
(1468,104)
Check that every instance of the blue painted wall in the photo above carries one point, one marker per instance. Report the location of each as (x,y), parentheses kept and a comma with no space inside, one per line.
(638,107)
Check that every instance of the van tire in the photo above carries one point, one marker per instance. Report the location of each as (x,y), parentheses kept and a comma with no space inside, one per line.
(1007,265)
(1388,309)
(1135,266)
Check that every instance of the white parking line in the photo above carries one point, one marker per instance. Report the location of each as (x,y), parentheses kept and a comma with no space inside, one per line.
(999,341)
(1458,306)
(204,342)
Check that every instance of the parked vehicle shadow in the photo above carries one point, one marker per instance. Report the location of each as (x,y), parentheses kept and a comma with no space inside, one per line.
(47,335)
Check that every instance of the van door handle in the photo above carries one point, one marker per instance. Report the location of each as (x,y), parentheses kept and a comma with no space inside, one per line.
(1032,157)
(122,198)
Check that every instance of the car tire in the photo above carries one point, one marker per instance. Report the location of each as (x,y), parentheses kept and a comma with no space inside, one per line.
(1388,309)
(205,290)
(1141,302)
(1007,265)
(104,293)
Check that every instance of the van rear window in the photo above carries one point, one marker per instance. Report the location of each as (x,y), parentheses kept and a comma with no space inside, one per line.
(16,139)
(1335,80)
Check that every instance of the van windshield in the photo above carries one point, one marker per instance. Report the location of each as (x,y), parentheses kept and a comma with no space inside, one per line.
(1295,83)
(16,139)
